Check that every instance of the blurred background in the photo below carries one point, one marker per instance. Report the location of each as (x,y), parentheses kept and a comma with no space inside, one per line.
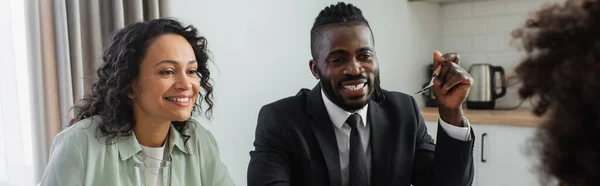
(260,52)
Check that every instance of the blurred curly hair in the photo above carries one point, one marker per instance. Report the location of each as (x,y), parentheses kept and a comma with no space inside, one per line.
(562,70)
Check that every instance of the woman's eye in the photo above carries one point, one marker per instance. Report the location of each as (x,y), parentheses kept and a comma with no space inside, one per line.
(167,72)
(192,71)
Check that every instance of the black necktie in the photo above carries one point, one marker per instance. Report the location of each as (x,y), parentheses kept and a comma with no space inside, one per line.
(358,165)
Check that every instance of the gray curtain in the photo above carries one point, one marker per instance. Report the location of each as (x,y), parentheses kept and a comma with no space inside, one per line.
(66,40)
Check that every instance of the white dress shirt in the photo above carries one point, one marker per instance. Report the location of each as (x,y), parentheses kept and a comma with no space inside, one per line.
(342,130)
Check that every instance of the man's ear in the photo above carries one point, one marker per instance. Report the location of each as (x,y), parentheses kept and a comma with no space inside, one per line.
(132,88)
(312,64)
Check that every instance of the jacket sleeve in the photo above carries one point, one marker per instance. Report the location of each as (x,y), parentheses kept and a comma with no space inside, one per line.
(269,162)
(447,163)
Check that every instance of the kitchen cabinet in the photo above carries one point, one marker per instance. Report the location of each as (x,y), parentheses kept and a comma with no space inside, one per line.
(501,157)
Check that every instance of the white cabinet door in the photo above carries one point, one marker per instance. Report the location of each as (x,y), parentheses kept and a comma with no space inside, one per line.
(502,160)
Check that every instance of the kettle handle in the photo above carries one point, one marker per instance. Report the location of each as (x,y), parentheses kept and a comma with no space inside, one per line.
(502,80)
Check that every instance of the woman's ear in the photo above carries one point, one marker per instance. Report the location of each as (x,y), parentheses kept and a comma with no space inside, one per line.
(132,88)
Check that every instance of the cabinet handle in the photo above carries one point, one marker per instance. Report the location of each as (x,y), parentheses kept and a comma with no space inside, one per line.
(483,147)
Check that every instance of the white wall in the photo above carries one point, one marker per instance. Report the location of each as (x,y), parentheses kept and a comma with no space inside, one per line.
(480,32)
(424,34)
(261,50)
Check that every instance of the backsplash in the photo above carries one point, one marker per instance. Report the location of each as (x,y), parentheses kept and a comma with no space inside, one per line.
(481,31)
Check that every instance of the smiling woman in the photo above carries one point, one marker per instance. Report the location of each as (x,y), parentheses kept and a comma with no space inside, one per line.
(138,114)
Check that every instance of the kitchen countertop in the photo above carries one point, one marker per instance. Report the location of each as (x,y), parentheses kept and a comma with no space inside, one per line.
(517,117)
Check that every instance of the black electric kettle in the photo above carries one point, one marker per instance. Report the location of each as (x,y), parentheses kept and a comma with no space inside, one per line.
(483,93)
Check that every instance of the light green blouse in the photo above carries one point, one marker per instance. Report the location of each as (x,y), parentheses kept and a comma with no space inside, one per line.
(78,157)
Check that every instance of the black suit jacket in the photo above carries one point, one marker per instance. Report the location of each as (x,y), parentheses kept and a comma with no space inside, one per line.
(295,144)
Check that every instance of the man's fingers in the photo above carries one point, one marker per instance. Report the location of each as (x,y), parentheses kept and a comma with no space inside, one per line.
(437,59)
(456,79)
(451,72)
(437,87)
(454,57)
(451,75)
(444,72)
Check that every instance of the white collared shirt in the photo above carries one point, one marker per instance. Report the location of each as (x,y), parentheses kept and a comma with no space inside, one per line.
(342,130)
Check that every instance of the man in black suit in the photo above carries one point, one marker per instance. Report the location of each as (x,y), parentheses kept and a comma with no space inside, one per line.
(347,131)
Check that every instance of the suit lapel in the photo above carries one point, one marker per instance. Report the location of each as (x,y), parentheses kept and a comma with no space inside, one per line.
(323,129)
(380,149)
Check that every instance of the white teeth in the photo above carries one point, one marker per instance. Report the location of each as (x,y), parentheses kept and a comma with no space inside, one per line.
(183,100)
(354,87)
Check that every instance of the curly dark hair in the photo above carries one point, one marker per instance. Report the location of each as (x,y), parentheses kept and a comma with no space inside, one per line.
(562,71)
(122,58)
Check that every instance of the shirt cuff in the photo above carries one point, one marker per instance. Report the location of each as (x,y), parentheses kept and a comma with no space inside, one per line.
(459,133)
